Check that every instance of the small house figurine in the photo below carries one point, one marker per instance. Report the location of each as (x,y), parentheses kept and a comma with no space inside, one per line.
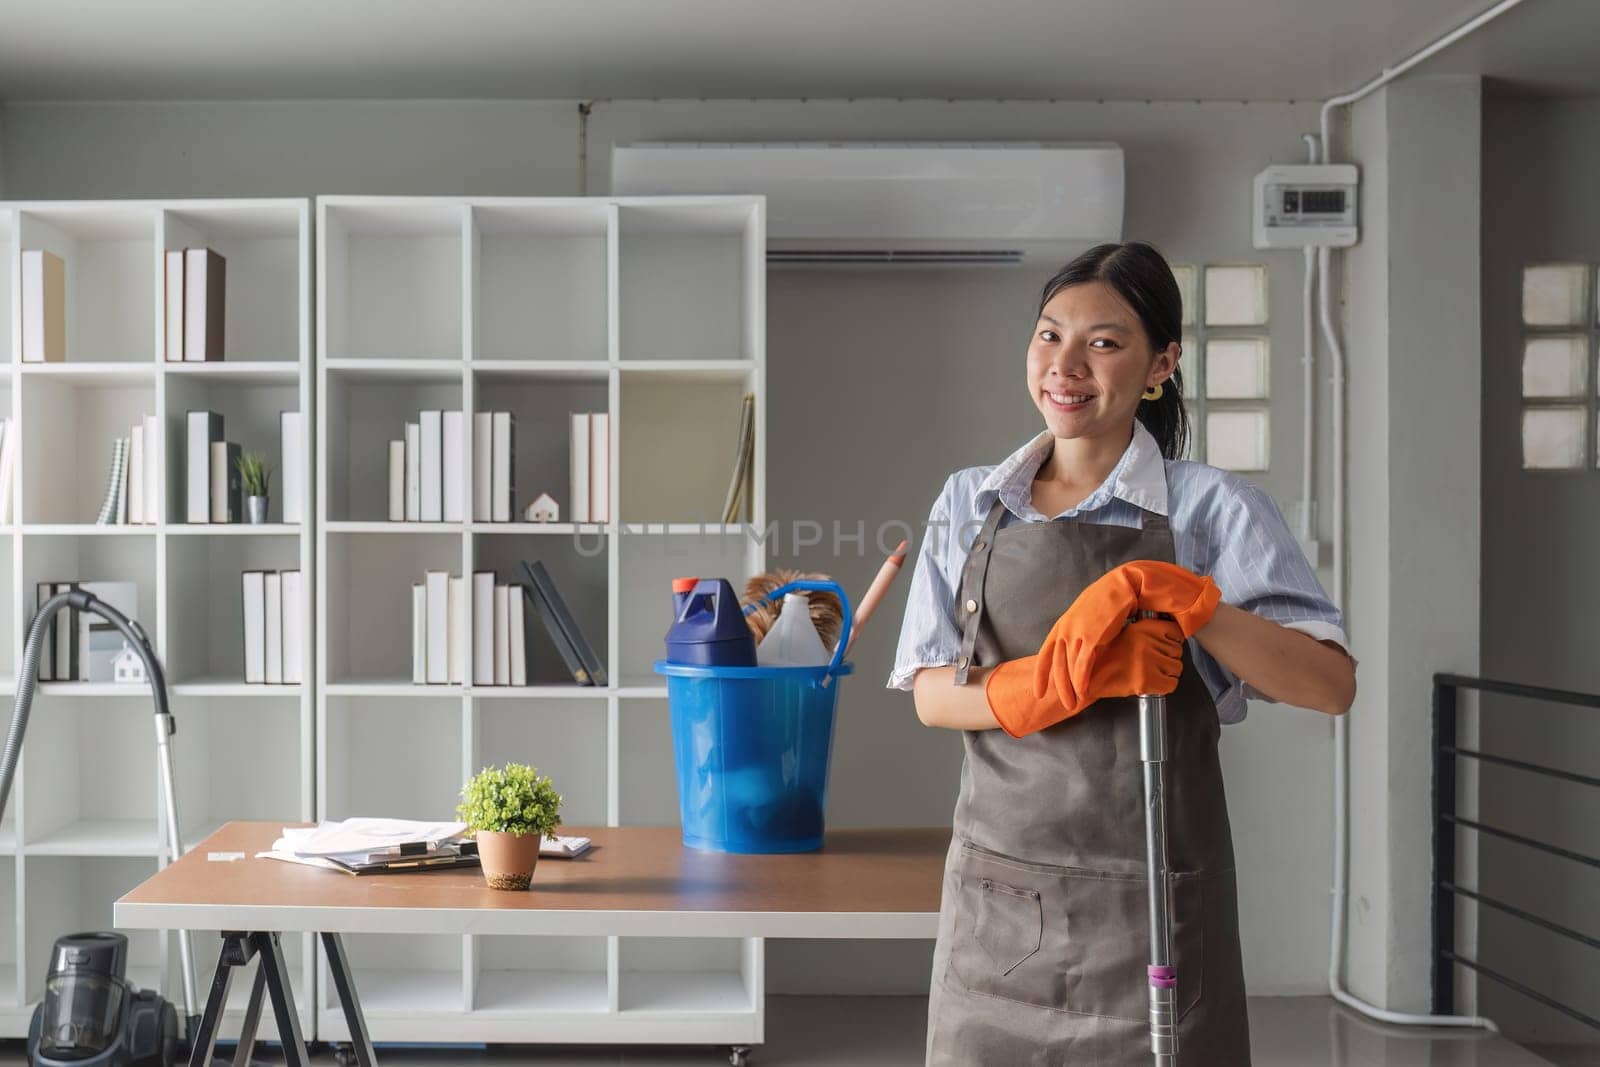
(127,668)
(543,509)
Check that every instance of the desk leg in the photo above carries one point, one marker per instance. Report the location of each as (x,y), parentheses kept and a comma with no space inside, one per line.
(236,951)
(271,952)
(252,1019)
(339,965)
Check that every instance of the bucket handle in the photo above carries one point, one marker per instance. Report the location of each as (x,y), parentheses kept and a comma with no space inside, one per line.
(822,586)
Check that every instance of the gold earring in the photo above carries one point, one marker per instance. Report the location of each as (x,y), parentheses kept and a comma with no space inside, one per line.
(1152,393)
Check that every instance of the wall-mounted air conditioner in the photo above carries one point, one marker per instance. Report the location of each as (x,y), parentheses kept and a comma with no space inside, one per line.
(872,203)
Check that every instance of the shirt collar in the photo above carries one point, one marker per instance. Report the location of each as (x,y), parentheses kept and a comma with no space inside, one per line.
(1140,478)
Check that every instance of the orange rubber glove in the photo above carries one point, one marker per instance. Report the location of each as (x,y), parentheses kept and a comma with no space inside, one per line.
(1019,690)
(1035,692)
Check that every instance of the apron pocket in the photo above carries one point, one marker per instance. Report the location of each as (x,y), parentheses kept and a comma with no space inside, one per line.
(1069,939)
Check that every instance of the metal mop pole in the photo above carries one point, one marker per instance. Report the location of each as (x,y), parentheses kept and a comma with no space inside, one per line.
(1162,974)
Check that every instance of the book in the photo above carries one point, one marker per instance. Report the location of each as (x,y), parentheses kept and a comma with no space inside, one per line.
(502,635)
(518,636)
(586,654)
(42,592)
(449,859)
(69,658)
(110,515)
(452,467)
(600,467)
(413,472)
(482,466)
(504,472)
(152,471)
(483,628)
(419,634)
(292,466)
(431,435)
(99,641)
(44,307)
(534,591)
(255,627)
(438,605)
(580,468)
(136,466)
(227,485)
(8,466)
(397,481)
(294,606)
(173,332)
(202,428)
(204,288)
(458,630)
(274,629)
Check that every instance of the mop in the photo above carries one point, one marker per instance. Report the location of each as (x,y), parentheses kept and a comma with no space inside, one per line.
(1163,975)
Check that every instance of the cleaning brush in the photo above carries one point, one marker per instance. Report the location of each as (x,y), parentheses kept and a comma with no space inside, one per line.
(826,613)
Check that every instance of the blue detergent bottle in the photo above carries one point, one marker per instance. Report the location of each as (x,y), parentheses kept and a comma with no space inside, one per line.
(708,627)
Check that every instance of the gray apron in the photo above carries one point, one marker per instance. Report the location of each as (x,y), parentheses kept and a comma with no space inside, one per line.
(1043,927)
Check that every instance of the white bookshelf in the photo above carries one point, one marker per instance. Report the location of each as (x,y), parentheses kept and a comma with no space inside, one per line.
(652,309)
(87,791)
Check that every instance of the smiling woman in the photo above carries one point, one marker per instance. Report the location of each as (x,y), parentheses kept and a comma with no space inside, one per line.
(1041,946)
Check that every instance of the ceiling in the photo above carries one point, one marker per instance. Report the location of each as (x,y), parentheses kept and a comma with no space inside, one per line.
(598,49)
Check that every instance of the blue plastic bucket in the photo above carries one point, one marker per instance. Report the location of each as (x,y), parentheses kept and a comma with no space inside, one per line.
(752,747)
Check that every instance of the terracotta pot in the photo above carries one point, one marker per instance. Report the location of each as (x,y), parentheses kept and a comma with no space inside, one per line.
(507,859)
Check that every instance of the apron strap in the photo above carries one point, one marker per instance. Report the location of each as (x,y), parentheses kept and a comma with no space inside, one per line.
(969,598)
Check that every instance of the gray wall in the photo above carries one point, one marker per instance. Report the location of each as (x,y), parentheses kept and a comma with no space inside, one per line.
(880,384)
(1541,166)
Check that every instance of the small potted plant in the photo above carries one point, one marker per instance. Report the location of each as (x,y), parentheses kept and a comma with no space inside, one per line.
(257,478)
(510,810)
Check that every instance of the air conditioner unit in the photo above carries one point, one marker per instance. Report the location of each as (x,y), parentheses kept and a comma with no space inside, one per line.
(925,204)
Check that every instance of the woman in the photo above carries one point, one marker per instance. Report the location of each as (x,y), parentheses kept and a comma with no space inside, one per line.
(1017,633)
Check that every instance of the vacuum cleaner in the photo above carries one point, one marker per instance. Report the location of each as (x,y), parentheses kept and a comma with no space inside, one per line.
(91,1016)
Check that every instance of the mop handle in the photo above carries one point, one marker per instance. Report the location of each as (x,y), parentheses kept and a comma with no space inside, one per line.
(1163,975)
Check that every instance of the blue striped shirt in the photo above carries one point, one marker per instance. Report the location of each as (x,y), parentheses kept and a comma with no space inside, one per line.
(1222,525)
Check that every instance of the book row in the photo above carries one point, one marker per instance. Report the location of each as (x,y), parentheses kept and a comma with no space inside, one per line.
(216,470)
(274,639)
(82,647)
(486,640)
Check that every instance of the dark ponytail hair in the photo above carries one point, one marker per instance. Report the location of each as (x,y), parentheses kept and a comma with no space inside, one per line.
(1140,276)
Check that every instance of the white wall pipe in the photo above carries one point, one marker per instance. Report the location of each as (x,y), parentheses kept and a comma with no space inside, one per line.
(1341,728)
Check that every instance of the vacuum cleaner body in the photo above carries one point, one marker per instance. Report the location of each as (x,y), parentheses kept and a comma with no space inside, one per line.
(92,1017)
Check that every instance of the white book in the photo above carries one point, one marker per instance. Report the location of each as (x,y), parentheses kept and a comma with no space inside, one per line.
(453,468)
(274,601)
(255,627)
(438,627)
(294,672)
(458,630)
(419,634)
(505,458)
(519,637)
(175,306)
(226,499)
(44,307)
(502,635)
(580,468)
(152,471)
(429,467)
(483,628)
(203,294)
(204,427)
(397,481)
(8,465)
(482,466)
(600,467)
(413,475)
(136,468)
(292,465)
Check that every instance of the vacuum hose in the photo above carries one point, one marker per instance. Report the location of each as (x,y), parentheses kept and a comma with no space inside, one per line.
(27,683)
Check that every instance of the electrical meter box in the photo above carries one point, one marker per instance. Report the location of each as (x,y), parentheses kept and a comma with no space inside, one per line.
(1306,204)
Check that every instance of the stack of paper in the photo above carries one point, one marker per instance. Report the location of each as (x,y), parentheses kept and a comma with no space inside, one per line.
(356,842)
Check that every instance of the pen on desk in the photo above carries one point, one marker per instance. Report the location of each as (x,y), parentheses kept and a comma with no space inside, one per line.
(875,592)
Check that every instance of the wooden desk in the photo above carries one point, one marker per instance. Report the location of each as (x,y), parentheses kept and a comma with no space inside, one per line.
(635,881)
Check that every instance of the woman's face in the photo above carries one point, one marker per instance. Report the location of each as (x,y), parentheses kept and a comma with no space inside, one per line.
(1090,360)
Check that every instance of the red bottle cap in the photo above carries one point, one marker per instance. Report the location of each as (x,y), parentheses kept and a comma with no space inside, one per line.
(684,585)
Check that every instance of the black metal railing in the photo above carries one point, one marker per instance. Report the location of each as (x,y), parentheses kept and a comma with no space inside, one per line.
(1447,751)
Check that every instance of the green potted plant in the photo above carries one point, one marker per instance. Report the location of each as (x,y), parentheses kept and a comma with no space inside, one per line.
(510,810)
(257,478)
